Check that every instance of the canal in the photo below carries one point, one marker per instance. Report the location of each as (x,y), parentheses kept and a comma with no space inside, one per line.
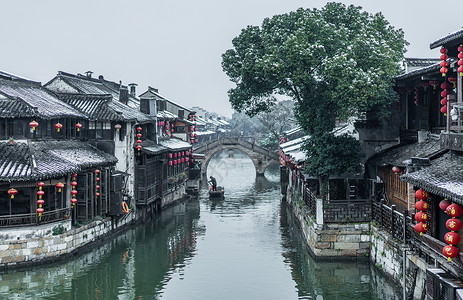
(244,247)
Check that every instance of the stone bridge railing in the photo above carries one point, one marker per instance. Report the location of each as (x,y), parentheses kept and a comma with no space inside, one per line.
(225,141)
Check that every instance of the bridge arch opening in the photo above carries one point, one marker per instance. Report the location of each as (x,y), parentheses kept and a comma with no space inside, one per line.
(260,157)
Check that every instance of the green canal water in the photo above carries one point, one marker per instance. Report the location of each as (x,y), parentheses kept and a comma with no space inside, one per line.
(244,247)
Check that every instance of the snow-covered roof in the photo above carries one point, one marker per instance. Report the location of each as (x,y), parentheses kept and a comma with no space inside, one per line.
(47,159)
(293,142)
(44,103)
(207,132)
(174,144)
(164,114)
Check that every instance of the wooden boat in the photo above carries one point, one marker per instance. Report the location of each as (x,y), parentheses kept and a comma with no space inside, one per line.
(217,194)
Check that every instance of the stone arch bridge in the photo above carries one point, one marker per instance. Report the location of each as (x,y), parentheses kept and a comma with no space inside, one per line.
(260,156)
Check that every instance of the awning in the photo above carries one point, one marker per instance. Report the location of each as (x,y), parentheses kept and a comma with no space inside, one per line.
(443,177)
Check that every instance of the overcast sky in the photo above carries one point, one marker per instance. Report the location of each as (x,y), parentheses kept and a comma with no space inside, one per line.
(175,46)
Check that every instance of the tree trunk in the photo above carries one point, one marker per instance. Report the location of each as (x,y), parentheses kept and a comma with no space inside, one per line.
(323,182)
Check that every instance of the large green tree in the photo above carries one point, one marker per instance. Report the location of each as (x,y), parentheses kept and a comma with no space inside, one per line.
(337,62)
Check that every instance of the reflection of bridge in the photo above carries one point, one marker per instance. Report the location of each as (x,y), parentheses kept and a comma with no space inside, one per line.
(260,156)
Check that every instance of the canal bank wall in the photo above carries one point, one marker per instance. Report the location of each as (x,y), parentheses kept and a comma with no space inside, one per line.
(25,246)
(331,240)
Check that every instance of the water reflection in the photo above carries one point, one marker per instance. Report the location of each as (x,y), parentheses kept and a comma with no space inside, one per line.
(243,247)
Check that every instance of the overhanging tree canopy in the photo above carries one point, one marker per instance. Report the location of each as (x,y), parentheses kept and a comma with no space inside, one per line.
(335,62)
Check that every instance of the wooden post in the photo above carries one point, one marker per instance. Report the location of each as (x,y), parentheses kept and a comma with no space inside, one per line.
(393,208)
(404,222)
(381,213)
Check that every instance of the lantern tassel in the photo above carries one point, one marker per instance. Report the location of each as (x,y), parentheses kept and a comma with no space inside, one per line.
(449,259)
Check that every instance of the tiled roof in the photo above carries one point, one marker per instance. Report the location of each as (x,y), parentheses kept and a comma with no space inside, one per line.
(151,147)
(87,85)
(174,144)
(443,177)
(95,107)
(401,156)
(48,159)
(454,37)
(420,62)
(422,71)
(129,113)
(47,105)
(15,108)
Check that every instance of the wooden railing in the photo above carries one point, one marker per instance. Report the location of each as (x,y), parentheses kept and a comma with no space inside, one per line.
(391,221)
(347,211)
(33,218)
(310,201)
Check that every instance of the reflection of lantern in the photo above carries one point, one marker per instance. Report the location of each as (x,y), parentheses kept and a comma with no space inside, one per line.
(59,186)
(33,124)
(421,228)
(58,126)
(12,192)
(452,238)
(421,217)
(450,251)
(454,210)
(453,224)
(78,126)
(421,194)
(444,204)
(396,170)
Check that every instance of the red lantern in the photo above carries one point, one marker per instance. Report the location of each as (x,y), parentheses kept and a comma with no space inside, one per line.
(73,183)
(424,84)
(138,135)
(40,202)
(421,217)
(421,195)
(453,80)
(175,161)
(444,109)
(138,142)
(59,186)
(444,93)
(444,204)
(73,192)
(33,124)
(421,205)
(170,163)
(421,228)
(40,184)
(97,187)
(73,201)
(170,155)
(396,170)
(182,160)
(74,176)
(97,194)
(58,126)
(452,238)
(78,126)
(454,210)
(118,127)
(40,211)
(444,50)
(460,62)
(443,102)
(453,224)
(40,193)
(139,128)
(97,179)
(187,159)
(450,251)
(434,83)
(97,171)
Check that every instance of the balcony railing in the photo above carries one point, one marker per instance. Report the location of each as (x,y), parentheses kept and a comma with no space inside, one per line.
(451,141)
(33,218)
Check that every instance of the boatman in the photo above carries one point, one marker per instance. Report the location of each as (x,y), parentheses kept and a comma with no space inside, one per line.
(214,183)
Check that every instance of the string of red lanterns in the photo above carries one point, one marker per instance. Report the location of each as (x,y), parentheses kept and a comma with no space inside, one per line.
(139,129)
(97,186)
(73,195)
(460,61)
(445,86)
(444,64)
(453,224)
(421,217)
(40,201)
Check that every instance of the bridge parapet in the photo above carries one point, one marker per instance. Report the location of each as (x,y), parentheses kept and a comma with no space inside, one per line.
(260,156)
